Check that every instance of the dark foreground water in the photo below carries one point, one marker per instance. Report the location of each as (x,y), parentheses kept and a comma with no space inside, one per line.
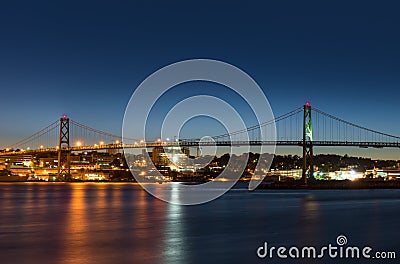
(120,223)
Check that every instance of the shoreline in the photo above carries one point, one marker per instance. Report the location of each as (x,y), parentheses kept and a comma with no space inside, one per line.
(313,185)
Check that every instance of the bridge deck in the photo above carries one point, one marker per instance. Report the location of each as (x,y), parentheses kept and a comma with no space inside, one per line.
(218,143)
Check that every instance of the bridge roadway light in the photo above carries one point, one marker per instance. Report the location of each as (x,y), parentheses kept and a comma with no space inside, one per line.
(78,144)
(41,146)
(116,141)
(101,143)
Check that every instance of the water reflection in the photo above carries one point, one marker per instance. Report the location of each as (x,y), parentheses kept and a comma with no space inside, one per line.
(75,238)
(174,236)
(121,223)
(309,220)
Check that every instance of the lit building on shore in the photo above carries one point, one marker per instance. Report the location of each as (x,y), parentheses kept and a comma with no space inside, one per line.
(176,158)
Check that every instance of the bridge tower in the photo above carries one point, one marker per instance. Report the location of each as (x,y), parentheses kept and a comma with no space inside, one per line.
(63,164)
(308,168)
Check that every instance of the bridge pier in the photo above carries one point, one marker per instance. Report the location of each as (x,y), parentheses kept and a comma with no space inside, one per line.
(308,166)
(63,164)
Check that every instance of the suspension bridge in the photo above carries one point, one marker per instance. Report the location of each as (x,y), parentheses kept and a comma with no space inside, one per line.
(304,127)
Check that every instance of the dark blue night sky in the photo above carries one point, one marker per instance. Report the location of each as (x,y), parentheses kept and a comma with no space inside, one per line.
(85,58)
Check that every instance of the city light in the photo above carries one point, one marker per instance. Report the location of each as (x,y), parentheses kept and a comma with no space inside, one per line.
(158,140)
(78,144)
(41,146)
(101,143)
(116,141)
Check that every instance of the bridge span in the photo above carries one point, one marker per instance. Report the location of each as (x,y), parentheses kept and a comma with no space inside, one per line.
(304,127)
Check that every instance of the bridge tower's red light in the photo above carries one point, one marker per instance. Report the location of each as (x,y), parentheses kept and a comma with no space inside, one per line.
(308,104)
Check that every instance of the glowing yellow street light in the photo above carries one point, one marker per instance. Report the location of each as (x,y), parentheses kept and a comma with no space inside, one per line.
(116,141)
(41,146)
(158,140)
(78,144)
(101,143)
